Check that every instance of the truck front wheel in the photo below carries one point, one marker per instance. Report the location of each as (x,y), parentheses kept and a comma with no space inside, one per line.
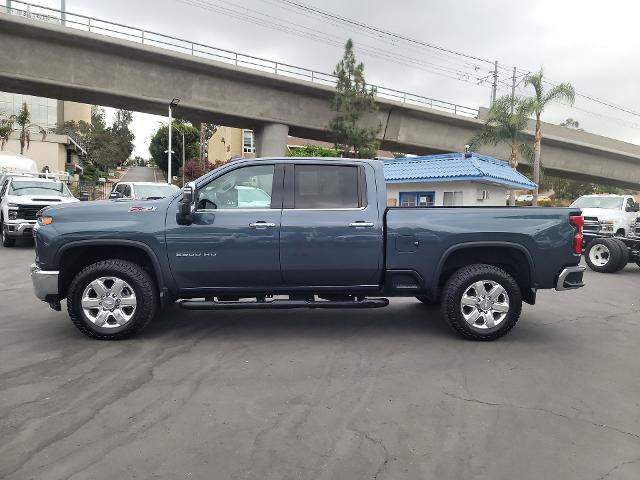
(112,300)
(6,240)
(481,302)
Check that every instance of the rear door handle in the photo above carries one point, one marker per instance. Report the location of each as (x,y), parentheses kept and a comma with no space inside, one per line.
(361,224)
(261,224)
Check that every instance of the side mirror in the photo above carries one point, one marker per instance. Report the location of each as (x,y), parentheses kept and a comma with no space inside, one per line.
(185,207)
(115,195)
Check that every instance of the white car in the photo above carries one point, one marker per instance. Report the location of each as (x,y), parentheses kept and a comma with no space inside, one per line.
(21,198)
(142,190)
(607,214)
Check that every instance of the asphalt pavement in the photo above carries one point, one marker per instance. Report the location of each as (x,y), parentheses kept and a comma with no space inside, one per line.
(379,394)
(143,174)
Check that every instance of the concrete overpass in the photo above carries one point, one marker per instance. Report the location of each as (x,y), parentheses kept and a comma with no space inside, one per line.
(39,58)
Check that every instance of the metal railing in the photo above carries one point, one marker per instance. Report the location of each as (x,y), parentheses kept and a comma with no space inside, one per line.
(147,37)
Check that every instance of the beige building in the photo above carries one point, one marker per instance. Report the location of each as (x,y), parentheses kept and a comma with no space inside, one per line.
(229,142)
(57,152)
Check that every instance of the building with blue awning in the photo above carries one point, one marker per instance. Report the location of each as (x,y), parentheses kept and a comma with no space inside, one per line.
(451,179)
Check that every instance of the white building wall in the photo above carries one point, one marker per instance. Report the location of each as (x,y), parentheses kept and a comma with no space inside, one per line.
(470,192)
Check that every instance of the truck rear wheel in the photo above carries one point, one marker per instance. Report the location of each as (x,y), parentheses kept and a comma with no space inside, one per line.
(112,300)
(481,302)
(624,254)
(603,255)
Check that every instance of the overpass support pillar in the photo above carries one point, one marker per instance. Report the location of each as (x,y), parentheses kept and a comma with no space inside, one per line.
(271,140)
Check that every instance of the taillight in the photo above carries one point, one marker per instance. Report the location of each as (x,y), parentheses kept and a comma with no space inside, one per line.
(578,222)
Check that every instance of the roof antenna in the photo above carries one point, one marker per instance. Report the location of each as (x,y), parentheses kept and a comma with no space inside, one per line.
(467,152)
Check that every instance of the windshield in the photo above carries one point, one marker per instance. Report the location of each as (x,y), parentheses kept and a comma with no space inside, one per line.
(22,187)
(151,191)
(613,203)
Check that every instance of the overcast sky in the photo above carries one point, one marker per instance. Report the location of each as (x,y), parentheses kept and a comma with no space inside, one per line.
(593,45)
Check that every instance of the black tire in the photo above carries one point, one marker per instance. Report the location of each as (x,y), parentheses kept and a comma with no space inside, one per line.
(462,281)
(624,254)
(606,255)
(427,301)
(6,240)
(143,287)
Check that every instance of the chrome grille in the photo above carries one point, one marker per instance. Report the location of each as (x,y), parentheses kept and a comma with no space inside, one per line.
(29,212)
(591,226)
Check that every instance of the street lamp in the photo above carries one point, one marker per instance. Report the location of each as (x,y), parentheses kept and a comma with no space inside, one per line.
(174,103)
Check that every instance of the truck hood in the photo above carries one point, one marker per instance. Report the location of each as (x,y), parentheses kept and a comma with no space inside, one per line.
(602,213)
(124,210)
(39,199)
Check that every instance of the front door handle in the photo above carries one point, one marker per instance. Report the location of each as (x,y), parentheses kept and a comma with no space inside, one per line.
(361,224)
(261,225)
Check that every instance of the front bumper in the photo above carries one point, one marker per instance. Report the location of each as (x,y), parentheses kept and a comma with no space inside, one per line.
(21,228)
(570,278)
(45,283)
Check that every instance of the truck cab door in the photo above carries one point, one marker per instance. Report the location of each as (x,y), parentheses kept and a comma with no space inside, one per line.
(234,239)
(331,233)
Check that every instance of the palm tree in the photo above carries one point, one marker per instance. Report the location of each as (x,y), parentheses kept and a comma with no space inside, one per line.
(506,123)
(541,99)
(23,119)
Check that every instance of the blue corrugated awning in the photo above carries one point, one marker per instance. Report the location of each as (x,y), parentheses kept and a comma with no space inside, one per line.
(451,167)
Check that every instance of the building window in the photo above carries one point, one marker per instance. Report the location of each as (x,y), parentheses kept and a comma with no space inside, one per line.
(417,199)
(452,199)
(247,142)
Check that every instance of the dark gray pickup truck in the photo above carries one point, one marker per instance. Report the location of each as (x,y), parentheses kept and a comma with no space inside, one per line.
(291,233)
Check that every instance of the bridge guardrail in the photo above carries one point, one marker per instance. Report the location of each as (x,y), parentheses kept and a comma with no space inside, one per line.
(147,37)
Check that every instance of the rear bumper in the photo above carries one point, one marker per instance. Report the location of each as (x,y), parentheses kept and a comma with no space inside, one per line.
(20,228)
(45,283)
(570,278)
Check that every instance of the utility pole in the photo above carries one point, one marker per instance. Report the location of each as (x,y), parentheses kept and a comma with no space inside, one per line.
(173,103)
(494,87)
(183,158)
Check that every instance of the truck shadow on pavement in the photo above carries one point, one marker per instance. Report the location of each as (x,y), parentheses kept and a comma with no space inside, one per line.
(400,319)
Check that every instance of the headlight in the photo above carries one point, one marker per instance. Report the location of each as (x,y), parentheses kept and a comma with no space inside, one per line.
(606,225)
(13,214)
(44,220)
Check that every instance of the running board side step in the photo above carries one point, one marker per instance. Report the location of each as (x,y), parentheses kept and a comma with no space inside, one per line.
(282,304)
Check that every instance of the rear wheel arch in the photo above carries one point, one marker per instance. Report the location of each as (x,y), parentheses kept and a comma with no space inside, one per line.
(73,257)
(515,259)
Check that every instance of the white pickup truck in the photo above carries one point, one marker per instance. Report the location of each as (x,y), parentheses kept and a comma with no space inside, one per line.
(607,214)
(22,196)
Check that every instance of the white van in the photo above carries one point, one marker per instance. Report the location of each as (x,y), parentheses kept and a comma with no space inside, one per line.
(13,163)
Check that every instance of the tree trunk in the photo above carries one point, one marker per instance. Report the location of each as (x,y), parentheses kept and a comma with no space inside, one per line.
(513,162)
(536,159)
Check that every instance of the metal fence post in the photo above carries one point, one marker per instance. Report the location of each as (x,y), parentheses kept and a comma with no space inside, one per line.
(142,36)
(192,48)
(276,68)
(312,75)
(89,23)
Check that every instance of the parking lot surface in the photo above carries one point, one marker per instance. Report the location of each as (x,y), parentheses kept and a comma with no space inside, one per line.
(349,394)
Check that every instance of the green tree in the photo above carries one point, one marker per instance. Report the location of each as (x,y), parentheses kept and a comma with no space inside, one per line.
(312,151)
(572,124)
(106,147)
(24,129)
(160,143)
(506,124)
(352,99)
(541,99)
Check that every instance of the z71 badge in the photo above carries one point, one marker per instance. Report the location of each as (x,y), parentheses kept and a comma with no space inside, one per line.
(142,209)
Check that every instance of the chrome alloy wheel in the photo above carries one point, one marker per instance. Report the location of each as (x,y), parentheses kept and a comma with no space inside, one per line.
(599,255)
(109,302)
(484,304)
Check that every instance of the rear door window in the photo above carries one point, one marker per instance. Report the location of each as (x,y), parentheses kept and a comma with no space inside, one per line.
(326,187)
